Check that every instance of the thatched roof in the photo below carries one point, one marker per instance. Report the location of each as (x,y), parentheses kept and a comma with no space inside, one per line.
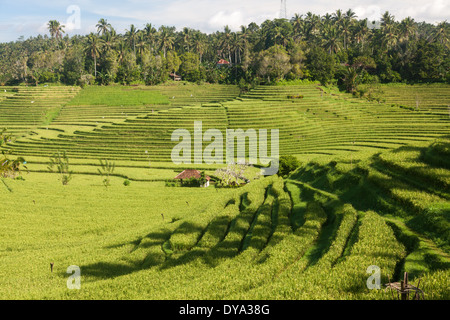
(190,173)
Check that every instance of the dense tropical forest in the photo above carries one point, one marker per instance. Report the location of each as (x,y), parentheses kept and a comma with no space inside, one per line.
(334,48)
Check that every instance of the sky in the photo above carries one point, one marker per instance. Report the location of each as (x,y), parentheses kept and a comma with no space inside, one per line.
(30,17)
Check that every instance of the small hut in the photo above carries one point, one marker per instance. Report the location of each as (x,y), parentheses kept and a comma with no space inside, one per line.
(175,77)
(223,62)
(192,173)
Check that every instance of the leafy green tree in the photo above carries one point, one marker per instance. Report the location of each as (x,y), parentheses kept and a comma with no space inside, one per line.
(190,67)
(73,65)
(153,70)
(288,164)
(109,66)
(172,61)
(321,65)
(273,64)
(128,70)
(350,79)
(403,50)
(431,63)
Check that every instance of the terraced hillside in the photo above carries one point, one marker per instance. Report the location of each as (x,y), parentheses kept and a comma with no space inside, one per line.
(101,128)
(25,108)
(372,190)
(328,124)
(430,98)
(312,236)
(317,124)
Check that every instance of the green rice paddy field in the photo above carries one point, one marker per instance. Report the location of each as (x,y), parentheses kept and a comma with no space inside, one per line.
(373,189)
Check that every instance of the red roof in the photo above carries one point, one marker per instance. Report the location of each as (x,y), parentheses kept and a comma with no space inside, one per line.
(191,173)
(222,61)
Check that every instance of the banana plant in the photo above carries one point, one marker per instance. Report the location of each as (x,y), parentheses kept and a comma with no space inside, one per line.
(9,168)
(107,169)
(61,162)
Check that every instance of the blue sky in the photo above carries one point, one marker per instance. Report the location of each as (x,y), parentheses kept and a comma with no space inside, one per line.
(28,18)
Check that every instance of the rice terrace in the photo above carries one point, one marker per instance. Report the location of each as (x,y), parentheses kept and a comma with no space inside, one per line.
(363,183)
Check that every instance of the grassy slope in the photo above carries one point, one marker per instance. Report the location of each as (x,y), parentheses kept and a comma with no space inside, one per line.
(249,244)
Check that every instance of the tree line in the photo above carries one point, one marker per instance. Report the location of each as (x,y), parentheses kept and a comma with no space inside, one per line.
(334,48)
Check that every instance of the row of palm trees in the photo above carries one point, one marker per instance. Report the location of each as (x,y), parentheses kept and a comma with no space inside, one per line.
(336,32)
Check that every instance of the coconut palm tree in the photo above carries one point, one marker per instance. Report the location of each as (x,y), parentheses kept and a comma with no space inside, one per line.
(441,33)
(226,41)
(312,22)
(110,38)
(361,32)
(132,35)
(199,44)
(93,48)
(150,35)
(327,19)
(122,49)
(331,39)
(297,24)
(237,46)
(345,29)
(103,27)
(387,19)
(141,44)
(408,29)
(186,35)
(389,31)
(244,36)
(166,38)
(350,14)
(56,29)
(338,17)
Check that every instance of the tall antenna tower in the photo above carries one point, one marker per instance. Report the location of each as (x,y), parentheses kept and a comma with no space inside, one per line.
(283,10)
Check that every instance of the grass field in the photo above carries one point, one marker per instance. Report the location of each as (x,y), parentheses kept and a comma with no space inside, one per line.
(373,189)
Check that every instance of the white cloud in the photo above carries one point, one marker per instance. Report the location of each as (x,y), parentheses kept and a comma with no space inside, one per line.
(234,20)
(205,15)
(43,28)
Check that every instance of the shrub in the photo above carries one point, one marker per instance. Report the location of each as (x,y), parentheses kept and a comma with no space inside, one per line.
(296,96)
(287,165)
(86,80)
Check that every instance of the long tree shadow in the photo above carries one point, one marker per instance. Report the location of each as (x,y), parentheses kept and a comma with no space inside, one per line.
(109,270)
(328,232)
